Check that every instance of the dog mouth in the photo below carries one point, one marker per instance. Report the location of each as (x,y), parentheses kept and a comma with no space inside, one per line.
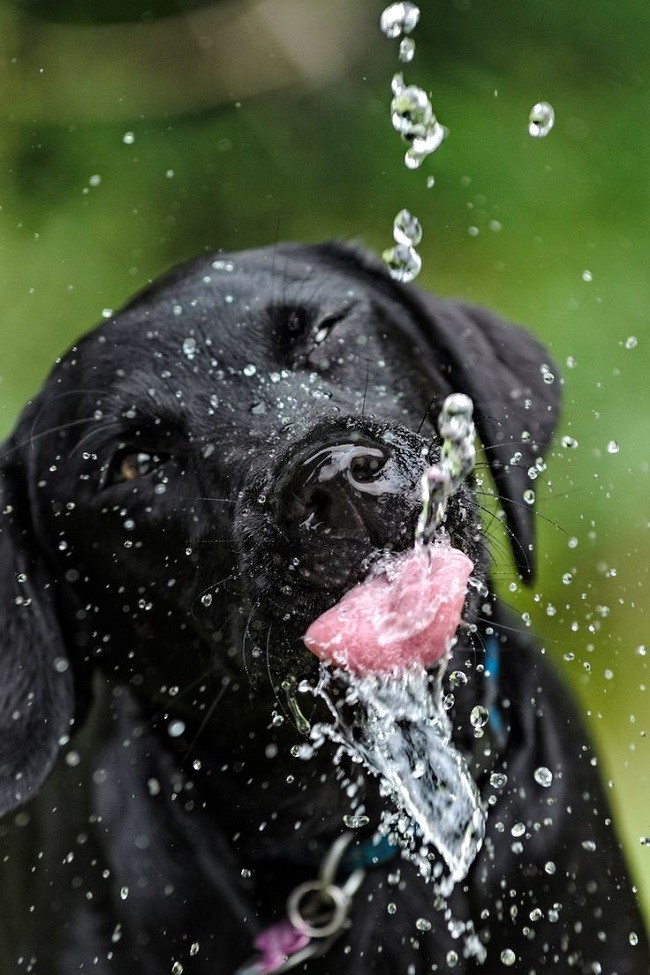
(406,612)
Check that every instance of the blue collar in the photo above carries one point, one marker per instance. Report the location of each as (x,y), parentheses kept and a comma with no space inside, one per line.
(361,855)
(492,664)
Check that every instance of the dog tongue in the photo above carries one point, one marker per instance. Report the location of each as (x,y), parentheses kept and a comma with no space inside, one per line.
(408,614)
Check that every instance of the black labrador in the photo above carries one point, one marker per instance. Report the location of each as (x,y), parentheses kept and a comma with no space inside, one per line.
(164,548)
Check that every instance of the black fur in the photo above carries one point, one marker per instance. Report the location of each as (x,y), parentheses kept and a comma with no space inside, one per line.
(136,843)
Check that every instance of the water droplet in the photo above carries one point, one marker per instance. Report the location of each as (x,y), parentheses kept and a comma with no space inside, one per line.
(194,948)
(498,780)
(541,120)
(420,148)
(452,958)
(633,938)
(124,893)
(458,678)
(397,83)
(72,758)
(175,728)
(128,138)
(631,342)
(529,496)
(549,868)
(412,115)
(508,957)
(479,716)
(548,376)
(567,578)
(569,442)
(518,829)
(391,908)
(535,914)
(543,776)
(355,822)
(419,769)
(249,370)
(406,50)
(422,924)
(404,263)
(587,276)
(642,650)
(407,229)
(613,447)
(189,348)
(177,968)
(399,18)
(431,182)
(60,665)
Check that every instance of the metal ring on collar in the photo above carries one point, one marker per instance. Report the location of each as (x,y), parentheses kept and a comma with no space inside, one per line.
(340,903)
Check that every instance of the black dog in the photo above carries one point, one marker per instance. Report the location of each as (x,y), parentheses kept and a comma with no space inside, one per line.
(165,546)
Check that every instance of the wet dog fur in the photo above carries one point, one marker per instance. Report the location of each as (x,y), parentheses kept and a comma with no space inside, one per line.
(162,555)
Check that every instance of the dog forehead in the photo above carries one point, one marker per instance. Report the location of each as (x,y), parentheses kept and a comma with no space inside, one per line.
(236,317)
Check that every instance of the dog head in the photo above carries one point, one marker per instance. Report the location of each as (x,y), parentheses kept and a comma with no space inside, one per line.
(206,472)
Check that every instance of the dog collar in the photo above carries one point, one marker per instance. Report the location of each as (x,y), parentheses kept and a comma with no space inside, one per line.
(492,742)
(361,855)
(492,666)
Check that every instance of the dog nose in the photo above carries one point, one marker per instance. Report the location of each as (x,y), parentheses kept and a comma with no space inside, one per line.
(348,490)
(329,488)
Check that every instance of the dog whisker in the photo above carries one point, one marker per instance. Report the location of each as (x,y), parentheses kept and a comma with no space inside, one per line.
(206,717)
(32,438)
(249,620)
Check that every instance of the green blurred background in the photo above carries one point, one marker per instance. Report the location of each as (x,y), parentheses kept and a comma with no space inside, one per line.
(135,133)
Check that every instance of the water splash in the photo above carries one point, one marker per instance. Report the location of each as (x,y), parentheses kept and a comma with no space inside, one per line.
(401,733)
(541,120)
(457,459)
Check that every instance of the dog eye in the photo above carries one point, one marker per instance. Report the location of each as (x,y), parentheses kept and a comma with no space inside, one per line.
(130,464)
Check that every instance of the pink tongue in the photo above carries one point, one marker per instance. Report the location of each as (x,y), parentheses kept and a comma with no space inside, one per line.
(407,615)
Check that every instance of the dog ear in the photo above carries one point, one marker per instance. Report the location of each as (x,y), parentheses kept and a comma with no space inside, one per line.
(36,695)
(515,389)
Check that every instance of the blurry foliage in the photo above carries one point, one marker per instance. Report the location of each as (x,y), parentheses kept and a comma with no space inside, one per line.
(107,11)
(511,223)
